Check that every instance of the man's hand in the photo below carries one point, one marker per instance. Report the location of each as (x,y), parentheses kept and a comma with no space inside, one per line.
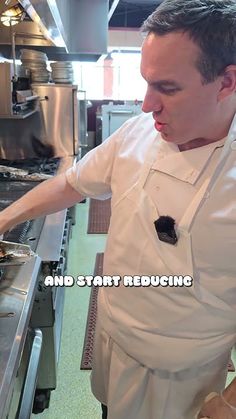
(216,408)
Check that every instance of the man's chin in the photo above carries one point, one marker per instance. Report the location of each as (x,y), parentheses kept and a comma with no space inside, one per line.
(171,139)
(167,137)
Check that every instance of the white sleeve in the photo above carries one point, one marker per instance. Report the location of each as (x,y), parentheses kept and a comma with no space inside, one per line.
(91,176)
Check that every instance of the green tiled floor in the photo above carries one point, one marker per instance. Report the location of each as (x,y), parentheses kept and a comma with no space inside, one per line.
(72,398)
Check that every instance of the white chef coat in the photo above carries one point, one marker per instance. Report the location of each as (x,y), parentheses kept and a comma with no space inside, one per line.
(183,173)
(148,324)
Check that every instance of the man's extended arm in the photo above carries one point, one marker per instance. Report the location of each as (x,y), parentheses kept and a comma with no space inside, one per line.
(50,196)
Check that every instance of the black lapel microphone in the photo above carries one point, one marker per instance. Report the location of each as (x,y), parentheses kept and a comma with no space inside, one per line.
(165,228)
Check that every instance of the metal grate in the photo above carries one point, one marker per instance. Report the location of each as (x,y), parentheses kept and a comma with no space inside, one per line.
(18,233)
(34,165)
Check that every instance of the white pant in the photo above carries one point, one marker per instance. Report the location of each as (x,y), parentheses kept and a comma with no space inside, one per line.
(130,390)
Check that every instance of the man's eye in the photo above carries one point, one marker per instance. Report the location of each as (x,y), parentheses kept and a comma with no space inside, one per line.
(168,91)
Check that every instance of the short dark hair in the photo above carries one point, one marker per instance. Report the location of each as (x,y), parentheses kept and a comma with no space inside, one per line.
(211,24)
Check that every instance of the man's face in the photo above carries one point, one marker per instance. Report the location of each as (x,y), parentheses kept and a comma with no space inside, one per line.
(184,109)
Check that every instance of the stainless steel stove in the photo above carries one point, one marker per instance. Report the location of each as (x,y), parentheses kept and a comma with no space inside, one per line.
(41,324)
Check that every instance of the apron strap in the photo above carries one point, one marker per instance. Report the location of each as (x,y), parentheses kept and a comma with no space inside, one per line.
(204,191)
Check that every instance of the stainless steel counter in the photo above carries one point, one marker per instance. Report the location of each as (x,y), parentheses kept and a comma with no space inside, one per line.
(16,300)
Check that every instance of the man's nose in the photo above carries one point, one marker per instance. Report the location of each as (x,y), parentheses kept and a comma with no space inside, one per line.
(152,102)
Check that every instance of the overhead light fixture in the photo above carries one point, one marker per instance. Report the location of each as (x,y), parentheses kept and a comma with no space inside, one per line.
(12,16)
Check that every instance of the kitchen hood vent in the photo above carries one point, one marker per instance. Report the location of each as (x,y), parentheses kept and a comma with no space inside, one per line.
(64,29)
(46,14)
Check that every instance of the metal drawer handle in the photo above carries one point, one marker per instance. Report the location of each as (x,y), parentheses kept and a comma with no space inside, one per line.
(31,377)
(121,112)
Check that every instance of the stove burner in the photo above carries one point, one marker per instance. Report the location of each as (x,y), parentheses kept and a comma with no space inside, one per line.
(18,233)
(44,165)
(27,232)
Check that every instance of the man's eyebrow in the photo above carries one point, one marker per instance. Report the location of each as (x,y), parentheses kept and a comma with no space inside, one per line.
(160,84)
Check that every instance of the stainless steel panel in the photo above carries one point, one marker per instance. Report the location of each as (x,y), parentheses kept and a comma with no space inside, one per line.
(19,380)
(77,26)
(88,28)
(31,377)
(59,110)
(82,122)
(45,13)
(34,37)
(75,124)
(16,137)
(16,299)
(113,116)
(52,233)
(59,309)
(47,375)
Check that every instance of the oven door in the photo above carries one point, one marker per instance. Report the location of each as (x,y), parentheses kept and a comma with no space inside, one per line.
(22,397)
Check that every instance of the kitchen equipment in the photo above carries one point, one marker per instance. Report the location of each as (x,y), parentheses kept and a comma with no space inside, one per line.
(12,103)
(83,105)
(36,63)
(59,110)
(57,128)
(17,290)
(113,116)
(33,346)
(62,72)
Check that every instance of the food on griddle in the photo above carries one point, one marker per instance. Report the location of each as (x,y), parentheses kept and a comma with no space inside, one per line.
(3,255)
(2,252)
(6,258)
(16,252)
(13,173)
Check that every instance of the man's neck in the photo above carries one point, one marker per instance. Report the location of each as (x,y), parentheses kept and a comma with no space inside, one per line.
(198,142)
(223,132)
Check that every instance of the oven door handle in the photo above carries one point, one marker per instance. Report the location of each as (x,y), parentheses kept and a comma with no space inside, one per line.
(31,377)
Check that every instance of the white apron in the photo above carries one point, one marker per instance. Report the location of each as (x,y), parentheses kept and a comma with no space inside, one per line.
(132,391)
(147,323)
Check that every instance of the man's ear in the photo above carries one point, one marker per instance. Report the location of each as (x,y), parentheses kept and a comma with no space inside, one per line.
(228,84)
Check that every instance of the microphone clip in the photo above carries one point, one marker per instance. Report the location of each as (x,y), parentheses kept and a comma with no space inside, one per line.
(165,229)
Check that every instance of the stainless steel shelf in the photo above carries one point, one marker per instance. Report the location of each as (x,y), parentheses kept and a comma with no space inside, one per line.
(19,116)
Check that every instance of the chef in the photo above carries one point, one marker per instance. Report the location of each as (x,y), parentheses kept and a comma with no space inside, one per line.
(161,352)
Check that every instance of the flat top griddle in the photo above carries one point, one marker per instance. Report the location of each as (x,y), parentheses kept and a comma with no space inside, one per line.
(44,165)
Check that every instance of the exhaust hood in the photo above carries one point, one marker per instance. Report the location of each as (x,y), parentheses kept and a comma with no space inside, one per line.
(63,29)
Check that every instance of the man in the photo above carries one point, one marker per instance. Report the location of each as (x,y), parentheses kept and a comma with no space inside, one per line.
(161,350)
